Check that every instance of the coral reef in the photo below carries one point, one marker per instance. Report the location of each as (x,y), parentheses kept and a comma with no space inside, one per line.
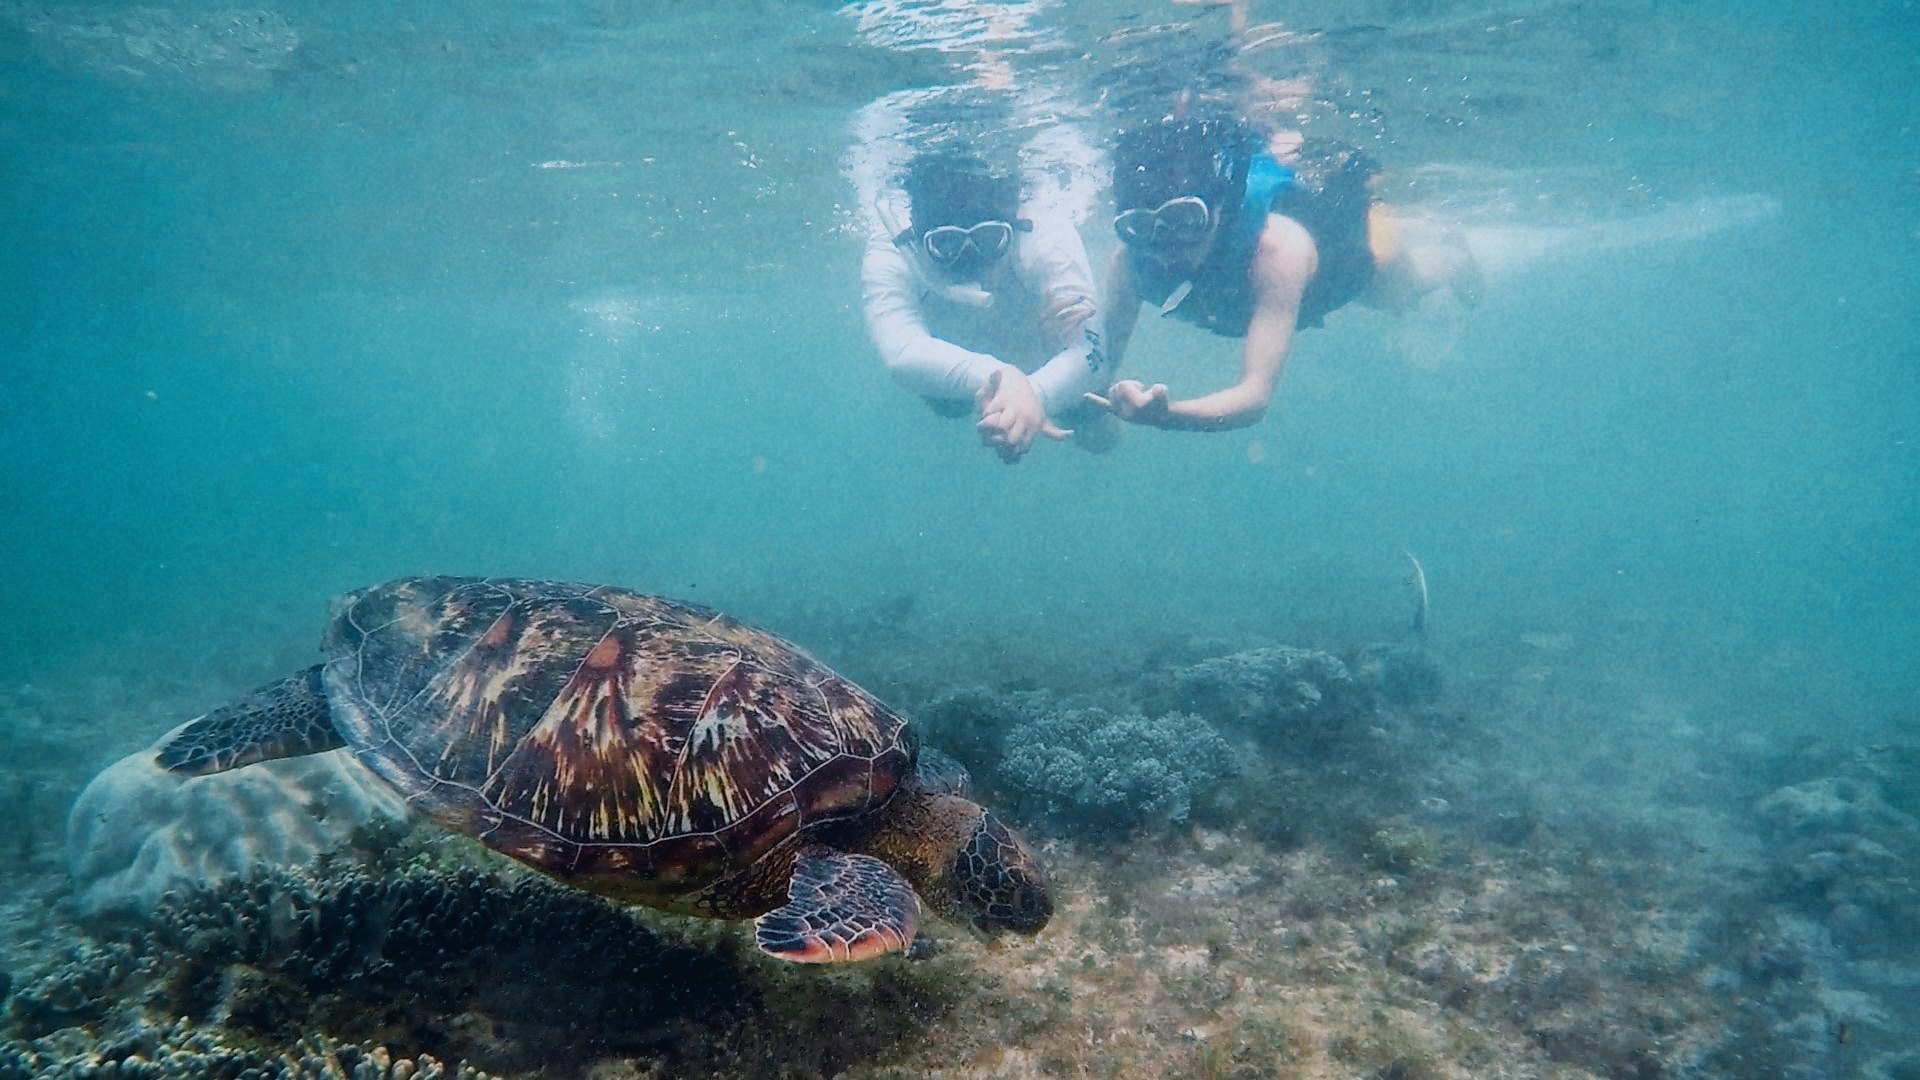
(1282,696)
(138,831)
(1107,771)
(1283,739)
(181,1051)
(1827,961)
(1268,863)
(972,724)
(285,952)
(1848,858)
(1403,675)
(440,952)
(427,961)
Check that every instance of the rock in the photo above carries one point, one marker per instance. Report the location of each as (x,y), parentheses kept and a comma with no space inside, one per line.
(1844,854)
(1832,804)
(1402,674)
(138,831)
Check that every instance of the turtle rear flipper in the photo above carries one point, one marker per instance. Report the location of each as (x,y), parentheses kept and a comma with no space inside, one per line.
(840,908)
(285,719)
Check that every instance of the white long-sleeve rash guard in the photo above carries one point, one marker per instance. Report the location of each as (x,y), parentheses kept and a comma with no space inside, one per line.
(941,344)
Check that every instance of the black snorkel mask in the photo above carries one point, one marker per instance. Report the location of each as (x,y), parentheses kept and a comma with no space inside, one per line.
(1177,182)
(1182,221)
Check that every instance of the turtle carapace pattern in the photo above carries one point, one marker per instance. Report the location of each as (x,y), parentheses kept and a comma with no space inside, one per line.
(645,749)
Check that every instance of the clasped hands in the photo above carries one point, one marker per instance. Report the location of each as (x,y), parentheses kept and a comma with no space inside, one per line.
(1010,411)
(1011,415)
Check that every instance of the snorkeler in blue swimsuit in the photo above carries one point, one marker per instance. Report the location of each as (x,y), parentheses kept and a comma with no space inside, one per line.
(1246,236)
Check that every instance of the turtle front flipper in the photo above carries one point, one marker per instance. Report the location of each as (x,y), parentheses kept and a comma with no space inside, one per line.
(285,719)
(840,908)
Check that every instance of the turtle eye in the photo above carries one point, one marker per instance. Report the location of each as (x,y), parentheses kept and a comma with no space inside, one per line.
(1000,886)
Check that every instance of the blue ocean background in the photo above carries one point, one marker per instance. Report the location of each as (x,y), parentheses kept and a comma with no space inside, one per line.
(291,305)
(300,297)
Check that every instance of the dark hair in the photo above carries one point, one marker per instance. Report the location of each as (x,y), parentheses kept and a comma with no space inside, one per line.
(949,188)
(1168,158)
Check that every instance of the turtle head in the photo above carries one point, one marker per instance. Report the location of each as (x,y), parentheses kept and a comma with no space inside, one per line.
(997,882)
(965,864)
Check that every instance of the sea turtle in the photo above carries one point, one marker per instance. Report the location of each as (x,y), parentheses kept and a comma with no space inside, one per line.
(648,750)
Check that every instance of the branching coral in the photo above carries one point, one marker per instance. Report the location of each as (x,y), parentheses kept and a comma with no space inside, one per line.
(970,724)
(1278,695)
(1115,771)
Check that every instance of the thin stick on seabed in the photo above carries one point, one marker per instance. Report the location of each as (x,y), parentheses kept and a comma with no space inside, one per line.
(1419,583)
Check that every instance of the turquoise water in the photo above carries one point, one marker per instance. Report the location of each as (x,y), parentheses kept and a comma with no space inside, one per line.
(298,298)
(301,297)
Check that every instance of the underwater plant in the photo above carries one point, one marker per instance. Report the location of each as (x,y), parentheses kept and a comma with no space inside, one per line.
(331,953)
(503,971)
(1401,848)
(419,955)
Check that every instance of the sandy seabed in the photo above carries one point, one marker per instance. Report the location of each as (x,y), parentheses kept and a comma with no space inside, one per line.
(1533,873)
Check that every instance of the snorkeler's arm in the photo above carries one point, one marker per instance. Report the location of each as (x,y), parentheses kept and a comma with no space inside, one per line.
(1282,265)
(1080,368)
(1123,306)
(1128,400)
(1054,268)
(917,360)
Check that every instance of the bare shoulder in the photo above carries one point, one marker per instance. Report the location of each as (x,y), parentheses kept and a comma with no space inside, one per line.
(1286,258)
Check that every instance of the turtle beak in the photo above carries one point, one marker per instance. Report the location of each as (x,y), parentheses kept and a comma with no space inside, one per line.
(1031,903)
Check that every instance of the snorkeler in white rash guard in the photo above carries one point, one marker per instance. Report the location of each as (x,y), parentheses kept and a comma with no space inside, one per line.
(977,302)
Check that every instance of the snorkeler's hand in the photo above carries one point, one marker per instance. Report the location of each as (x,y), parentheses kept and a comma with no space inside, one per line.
(1135,403)
(1011,415)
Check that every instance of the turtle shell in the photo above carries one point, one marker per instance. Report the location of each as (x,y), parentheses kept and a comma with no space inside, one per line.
(639,746)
